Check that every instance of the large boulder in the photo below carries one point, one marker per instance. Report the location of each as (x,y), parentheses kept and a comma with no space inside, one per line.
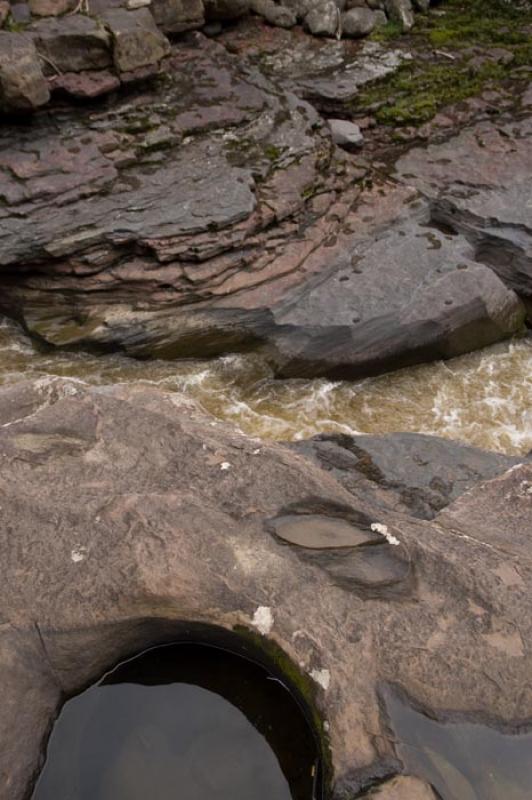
(478,184)
(129,519)
(23,86)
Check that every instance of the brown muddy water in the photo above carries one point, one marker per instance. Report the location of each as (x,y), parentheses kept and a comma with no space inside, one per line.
(182,721)
(483,399)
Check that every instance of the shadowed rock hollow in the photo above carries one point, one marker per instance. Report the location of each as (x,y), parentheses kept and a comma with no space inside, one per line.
(129,519)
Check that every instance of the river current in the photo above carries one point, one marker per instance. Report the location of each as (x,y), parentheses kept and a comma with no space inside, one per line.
(482,399)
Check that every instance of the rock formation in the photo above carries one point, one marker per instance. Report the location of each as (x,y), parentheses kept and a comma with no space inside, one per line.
(128,519)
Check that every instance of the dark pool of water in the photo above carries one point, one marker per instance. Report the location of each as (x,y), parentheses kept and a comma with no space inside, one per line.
(462,760)
(182,722)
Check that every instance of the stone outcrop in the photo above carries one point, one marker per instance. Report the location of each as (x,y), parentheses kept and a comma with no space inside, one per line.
(218,216)
(129,519)
(409,473)
(478,184)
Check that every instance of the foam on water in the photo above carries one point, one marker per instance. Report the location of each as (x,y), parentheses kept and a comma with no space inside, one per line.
(483,398)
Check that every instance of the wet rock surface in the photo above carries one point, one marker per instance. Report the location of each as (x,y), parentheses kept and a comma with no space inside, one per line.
(210,211)
(478,184)
(129,519)
(405,472)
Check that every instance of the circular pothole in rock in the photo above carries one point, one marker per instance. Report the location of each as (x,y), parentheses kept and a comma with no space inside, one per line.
(182,721)
(319,532)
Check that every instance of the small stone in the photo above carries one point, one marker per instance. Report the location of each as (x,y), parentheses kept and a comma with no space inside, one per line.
(138,43)
(212,29)
(402,12)
(323,19)
(360,22)
(20,13)
(346,134)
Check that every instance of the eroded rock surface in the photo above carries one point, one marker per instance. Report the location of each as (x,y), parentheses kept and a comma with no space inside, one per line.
(405,472)
(479,185)
(129,519)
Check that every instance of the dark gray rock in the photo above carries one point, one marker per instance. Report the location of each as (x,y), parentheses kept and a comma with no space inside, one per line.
(130,520)
(348,323)
(478,184)
(405,472)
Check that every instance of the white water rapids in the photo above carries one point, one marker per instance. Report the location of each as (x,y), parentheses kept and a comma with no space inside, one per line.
(483,399)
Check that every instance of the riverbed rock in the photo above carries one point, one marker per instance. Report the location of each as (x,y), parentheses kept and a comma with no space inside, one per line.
(22,84)
(130,519)
(266,239)
(409,473)
(478,184)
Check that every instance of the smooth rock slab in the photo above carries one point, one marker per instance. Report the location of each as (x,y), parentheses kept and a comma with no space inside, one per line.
(479,184)
(406,472)
(130,519)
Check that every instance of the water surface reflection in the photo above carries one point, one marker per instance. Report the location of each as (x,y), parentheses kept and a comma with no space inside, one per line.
(182,722)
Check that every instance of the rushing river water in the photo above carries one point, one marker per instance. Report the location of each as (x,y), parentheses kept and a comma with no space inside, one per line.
(483,399)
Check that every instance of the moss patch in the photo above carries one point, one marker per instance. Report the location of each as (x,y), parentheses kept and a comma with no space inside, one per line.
(300,684)
(444,70)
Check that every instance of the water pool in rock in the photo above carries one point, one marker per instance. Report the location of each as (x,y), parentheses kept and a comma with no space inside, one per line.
(462,759)
(182,722)
(483,399)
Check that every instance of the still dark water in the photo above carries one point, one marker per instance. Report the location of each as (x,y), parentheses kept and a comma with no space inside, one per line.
(182,722)
(462,760)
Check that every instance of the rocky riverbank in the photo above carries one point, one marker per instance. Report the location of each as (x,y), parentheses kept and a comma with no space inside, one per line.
(342,209)
(214,211)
